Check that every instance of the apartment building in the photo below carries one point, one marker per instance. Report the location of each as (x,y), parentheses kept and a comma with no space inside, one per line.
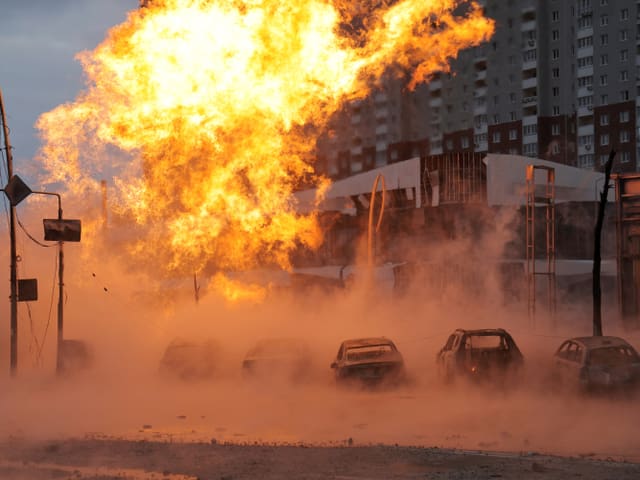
(559,80)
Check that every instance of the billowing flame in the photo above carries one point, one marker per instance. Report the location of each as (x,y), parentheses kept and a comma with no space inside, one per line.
(205,114)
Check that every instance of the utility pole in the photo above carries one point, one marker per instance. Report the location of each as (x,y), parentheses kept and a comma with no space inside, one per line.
(12,234)
(597,292)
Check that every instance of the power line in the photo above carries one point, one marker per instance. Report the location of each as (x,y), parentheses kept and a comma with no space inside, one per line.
(34,240)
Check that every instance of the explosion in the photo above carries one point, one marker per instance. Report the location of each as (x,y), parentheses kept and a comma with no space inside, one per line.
(205,115)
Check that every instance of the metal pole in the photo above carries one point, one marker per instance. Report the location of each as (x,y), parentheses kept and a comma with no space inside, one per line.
(14,268)
(59,362)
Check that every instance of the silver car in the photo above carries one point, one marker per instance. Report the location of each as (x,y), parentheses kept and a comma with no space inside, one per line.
(596,363)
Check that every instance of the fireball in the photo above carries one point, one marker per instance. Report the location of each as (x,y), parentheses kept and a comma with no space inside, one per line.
(205,113)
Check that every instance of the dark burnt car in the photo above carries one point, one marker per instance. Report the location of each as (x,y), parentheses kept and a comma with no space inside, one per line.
(596,363)
(278,358)
(369,361)
(190,360)
(484,354)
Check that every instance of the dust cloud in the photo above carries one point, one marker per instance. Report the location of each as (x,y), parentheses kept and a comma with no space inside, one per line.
(128,321)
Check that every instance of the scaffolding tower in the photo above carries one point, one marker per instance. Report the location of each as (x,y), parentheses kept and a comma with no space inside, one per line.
(542,196)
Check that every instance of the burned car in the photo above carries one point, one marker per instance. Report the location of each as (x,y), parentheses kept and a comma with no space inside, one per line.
(190,360)
(278,358)
(369,361)
(596,363)
(484,354)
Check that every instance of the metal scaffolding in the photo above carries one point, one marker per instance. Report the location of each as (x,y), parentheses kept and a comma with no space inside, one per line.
(545,198)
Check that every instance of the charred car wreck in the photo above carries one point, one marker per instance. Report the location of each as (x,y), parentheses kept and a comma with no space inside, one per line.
(486,354)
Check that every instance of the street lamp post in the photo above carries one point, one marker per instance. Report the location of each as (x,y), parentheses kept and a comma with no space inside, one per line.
(57,230)
(59,363)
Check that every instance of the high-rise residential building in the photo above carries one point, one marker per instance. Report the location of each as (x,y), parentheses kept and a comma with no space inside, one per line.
(559,80)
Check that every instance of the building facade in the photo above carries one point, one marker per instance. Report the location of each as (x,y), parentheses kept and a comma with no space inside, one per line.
(559,80)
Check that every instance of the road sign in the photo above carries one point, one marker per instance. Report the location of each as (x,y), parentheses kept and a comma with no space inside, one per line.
(61,230)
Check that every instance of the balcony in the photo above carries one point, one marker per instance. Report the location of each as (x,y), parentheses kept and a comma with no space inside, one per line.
(585,52)
(530,120)
(480,109)
(480,129)
(585,91)
(528,26)
(435,85)
(527,101)
(528,83)
(481,146)
(586,71)
(381,113)
(585,149)
(585,111)
(435,102)
(585,130)
(584,32)
(381,129)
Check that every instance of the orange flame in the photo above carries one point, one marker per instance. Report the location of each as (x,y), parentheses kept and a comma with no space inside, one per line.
(205,113)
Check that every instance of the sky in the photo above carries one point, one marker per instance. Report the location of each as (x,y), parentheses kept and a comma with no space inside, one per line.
(39,40)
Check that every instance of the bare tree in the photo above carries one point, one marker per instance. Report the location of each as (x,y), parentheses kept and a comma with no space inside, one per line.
(597,292)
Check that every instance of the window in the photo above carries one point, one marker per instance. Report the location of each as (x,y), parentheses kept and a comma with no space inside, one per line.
(604,59)
(555,16)
(555,53)
(624,55)
(585,22)
(555,129)
(584,101)
(604,139)
(603,158)
(555,34)
(464,142)
(496,137)
(585,161)
(496,118)
(624,35)
(513,134)
(530,149)
(585,140)
(624,76)
(512,97)
(604,20)
(585,42)
(512,116)
(556,110)
(624,14)
(603,80)
(530,129)
(604,39)
(624,95)
(555,73)
(555,148)
(604,119)
(556,91)
(625,157)
(624,136)
(585,61)
(496,100)
(585,81)
(624,116)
